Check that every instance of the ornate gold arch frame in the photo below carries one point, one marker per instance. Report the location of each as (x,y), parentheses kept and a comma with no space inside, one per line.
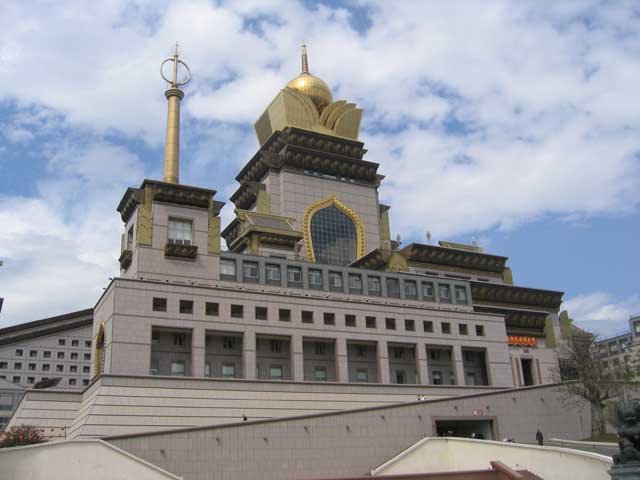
(349,212)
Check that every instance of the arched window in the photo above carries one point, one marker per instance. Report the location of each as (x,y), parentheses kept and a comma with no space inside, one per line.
(333,236)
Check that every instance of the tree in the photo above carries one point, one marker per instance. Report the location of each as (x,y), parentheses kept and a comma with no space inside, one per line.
(22,435)
(585,375)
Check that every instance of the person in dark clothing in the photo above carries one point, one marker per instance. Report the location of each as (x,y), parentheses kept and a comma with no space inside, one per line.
(539,437)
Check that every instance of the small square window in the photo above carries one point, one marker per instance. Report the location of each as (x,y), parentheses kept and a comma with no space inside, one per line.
(85,381)
(16,379)
(177,368)
(480,330)
(180,231)
(186,306)
(74,355)
(228,269)
(427,326)
(335,281)
(390,323)
(410,325)
(179,339)
(212,309)
(410,289)
(294,276)
(427,290)
(73,368)
(31,380)
(62,342)
(349,320)
(463,329)
(393,287)
(355,283)
(32,366)
(75,343)
(60,355)
(237,311)
(276,346)
(86,369)
(445,293)
(46,367)
(46,354)
(373,286)
(320,374)
(228,343)
(362,375)
(284,315)
(370,322)
(3,365)
(315,278)
(461,294)
(262,313)
(228,370)
(446,327)
(87,343)
(19,352)
(17,366)
(272,274)
(33,353)
(159,304)
(275,372)
(59,368)
(250,271)
(307,316)
(329,318)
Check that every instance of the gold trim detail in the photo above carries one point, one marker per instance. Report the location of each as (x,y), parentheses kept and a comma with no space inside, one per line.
(321,204)
(99,343)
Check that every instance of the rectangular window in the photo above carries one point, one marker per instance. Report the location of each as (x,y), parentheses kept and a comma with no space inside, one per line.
(34,353)
(228,269)
(85,369)
(349,320)
(85,381)
(427,290)
(177,368)
(315,279)
(320,374)
(370,322)
(46,367)
(275,372)
(355,283)
(74,355)
(373,286)
(320,348)
(60,355)
(307,316)
(329,318)
(159,304)
(393,287)
(32,366)
(276,346)
(335,281)
(294,276)
(212,309)
(32,380)
(445,293)
(17,366)
(87,343)
(72,369)
(75,343)
(401,377)
(461,294)
(186,306)
(446,327)
(480,330)
(237,311)
(390,323)
(250,271)
(87,356)
(272,274)
(362,375)
(130,238)
(410,325)
(262,313)
(437,377)
(179,339)
(410,289)
(463,329)
(47,354)
(228,343)
(180,232)
(3,365)
(59,368)
(228,370)
(427,326)
(19,352)
(284,315)
(16,379)
(61,342)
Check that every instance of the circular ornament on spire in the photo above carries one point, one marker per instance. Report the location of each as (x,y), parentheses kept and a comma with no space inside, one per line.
(313,87)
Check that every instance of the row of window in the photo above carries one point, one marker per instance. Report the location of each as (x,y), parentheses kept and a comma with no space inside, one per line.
(45,367)
(47,354)
(71,381)
(273,275)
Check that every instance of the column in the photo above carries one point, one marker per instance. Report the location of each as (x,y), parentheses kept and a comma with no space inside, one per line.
(342,361)
(537,375)
(514,371)
(249,354)
(297,358)
(382,353)
(423,363)
(198,346)
(458,364)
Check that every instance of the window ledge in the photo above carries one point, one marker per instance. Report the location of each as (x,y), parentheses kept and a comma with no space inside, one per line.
(180,251)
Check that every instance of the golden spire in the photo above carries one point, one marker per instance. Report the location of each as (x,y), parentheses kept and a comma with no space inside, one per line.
(311,86)
(174,96)
(305,60)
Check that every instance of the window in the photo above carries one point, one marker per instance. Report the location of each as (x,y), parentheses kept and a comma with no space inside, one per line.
(284,315)
(16,379)
(85,381)
(373,286)
(276,346)
(177,368)
(186,306)
(61,342)
(393,287)
(315,278)
(461,294)
(349,320)
(47,354)
(480,330)
(228,370)
(636,328)
(468,356)
(178,339)
(211,309)
(361,350)
(59,368)
(398,352)
(272,273)
(427,289)
(3,364)
(75,343)
(31,380)
(446,327)
(17,366)
(333,235)
(362,375)
(130,238)
(410,325)
(32,366)
(329,318)
(463,329)
(320,348)
(370,322)
(19,352)
(46,367)
(250,271)
(613,347)
(261,313)
(237,311)
(320,374)
(86,369)
(437,377)
(60,355)
(228,343)
(307,316)
(355,283)
(410,289)
(390,323)
(228,268)
(74,355)
(87,343)
(159,304)
(180,231)
(335,281)
(87,356)
(434,354)
(445,293)
(155,338)
(73,368)
(33,353)
(427,326)
(275,372)
(294,276)
(401,376)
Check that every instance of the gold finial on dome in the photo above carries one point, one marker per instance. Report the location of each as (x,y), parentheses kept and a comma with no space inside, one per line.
(311,86)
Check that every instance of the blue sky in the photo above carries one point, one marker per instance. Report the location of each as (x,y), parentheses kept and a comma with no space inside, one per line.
(512,123)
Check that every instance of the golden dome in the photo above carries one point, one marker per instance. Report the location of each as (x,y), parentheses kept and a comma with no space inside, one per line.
(311,86)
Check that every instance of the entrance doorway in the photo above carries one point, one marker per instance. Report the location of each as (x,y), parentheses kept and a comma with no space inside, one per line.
(527,371)
(482,429)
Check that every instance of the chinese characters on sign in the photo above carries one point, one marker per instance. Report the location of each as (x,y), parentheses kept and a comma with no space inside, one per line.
(522,340)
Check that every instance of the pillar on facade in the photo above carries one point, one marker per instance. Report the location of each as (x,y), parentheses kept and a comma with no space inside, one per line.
(297,358)
(458,364)
(342,361)
(382,353)
(249,355)
(198,348)
(423,363)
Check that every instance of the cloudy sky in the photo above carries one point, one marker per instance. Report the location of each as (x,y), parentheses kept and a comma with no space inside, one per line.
(514,123)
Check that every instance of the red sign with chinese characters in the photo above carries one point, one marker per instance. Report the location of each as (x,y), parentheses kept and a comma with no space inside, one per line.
(522,340)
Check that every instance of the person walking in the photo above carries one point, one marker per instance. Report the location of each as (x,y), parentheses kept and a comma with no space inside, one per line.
(539,437)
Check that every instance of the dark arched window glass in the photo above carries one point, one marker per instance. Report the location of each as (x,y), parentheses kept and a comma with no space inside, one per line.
(333,235)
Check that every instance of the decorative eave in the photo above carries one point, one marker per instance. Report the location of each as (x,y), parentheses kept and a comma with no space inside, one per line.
(374,260)
(523,322)
(270,228)
(495,294)
(461,259)
(130,200)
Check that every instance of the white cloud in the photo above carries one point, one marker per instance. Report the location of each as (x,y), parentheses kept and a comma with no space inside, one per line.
(601,312)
